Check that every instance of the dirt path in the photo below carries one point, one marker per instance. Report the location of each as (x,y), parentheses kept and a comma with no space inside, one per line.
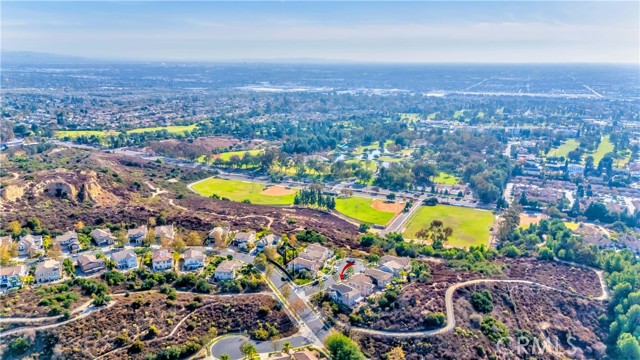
(9,320)
(86,313)
(156,190)
(451,319)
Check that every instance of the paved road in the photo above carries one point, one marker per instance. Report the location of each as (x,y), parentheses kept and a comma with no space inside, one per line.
(398,223)
(230,345)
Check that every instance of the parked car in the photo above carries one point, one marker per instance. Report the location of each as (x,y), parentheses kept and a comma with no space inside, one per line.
(351,261)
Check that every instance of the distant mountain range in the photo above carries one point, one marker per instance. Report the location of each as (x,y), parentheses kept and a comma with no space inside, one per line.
(30,57)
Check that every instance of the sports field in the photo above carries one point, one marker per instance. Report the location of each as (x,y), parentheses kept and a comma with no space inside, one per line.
(445,179)
(470,226)
(564,149)
(241,190)
(368,210)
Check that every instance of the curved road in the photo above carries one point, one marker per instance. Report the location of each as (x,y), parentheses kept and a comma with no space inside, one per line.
(230,345)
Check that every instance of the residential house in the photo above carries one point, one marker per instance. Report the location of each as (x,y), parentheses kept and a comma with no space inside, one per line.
(48,270)
(316,252)
(362,283)
(69,240)
(311,259)
(165,232)
(218,232)
(138,235)
(90,264)
(161,260)
(298,264)
(265,241)
(244,240)
(10,275)
(28,245)
(344,294)
(125,259)
(226,270)
(380,278)
(304,354)
(193,259)
(394,264)
(102,237)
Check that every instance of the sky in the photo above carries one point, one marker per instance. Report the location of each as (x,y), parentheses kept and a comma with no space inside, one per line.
(381,31)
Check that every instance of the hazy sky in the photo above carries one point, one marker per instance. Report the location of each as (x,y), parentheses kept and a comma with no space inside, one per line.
(394,31)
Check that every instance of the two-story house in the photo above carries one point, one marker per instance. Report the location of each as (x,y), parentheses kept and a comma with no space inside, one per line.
(125,259)
(28,245)
(102,237)
(362,283)
(344,294)
(69,241)
(90,264)
(226,270)
(10,275)
(138,235)
(48,270)
(161,260)
(244,240)
(166,232)
(193,259)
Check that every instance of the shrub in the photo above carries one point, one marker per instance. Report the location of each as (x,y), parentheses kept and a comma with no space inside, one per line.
(482,301)
(136,347)
(19,346)
(436,319)
(494,329)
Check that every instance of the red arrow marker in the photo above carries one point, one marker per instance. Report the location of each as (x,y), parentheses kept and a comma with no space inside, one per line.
(344,269)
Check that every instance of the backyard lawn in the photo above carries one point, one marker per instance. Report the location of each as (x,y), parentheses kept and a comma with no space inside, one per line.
(174,129)
(470,226)
(240,190)
(368,210)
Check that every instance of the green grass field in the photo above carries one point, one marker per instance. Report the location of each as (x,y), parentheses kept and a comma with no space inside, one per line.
(564,149)
(174,129)
(360,209)
(445,179)
(606,146)
(470,226)
(73,134)
(458,113)
(239,191)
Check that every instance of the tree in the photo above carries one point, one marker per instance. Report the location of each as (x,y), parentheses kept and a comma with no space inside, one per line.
(286,347)
(391,196)
(178,244)
(78,225)
(343,348)
(194,239)
(628,347)
(122,239)
(224,357)
(436,233)
(14,228)
(248,349)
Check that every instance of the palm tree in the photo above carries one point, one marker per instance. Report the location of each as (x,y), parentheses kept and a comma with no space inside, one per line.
(248,349)
(286,347)
(224,357)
